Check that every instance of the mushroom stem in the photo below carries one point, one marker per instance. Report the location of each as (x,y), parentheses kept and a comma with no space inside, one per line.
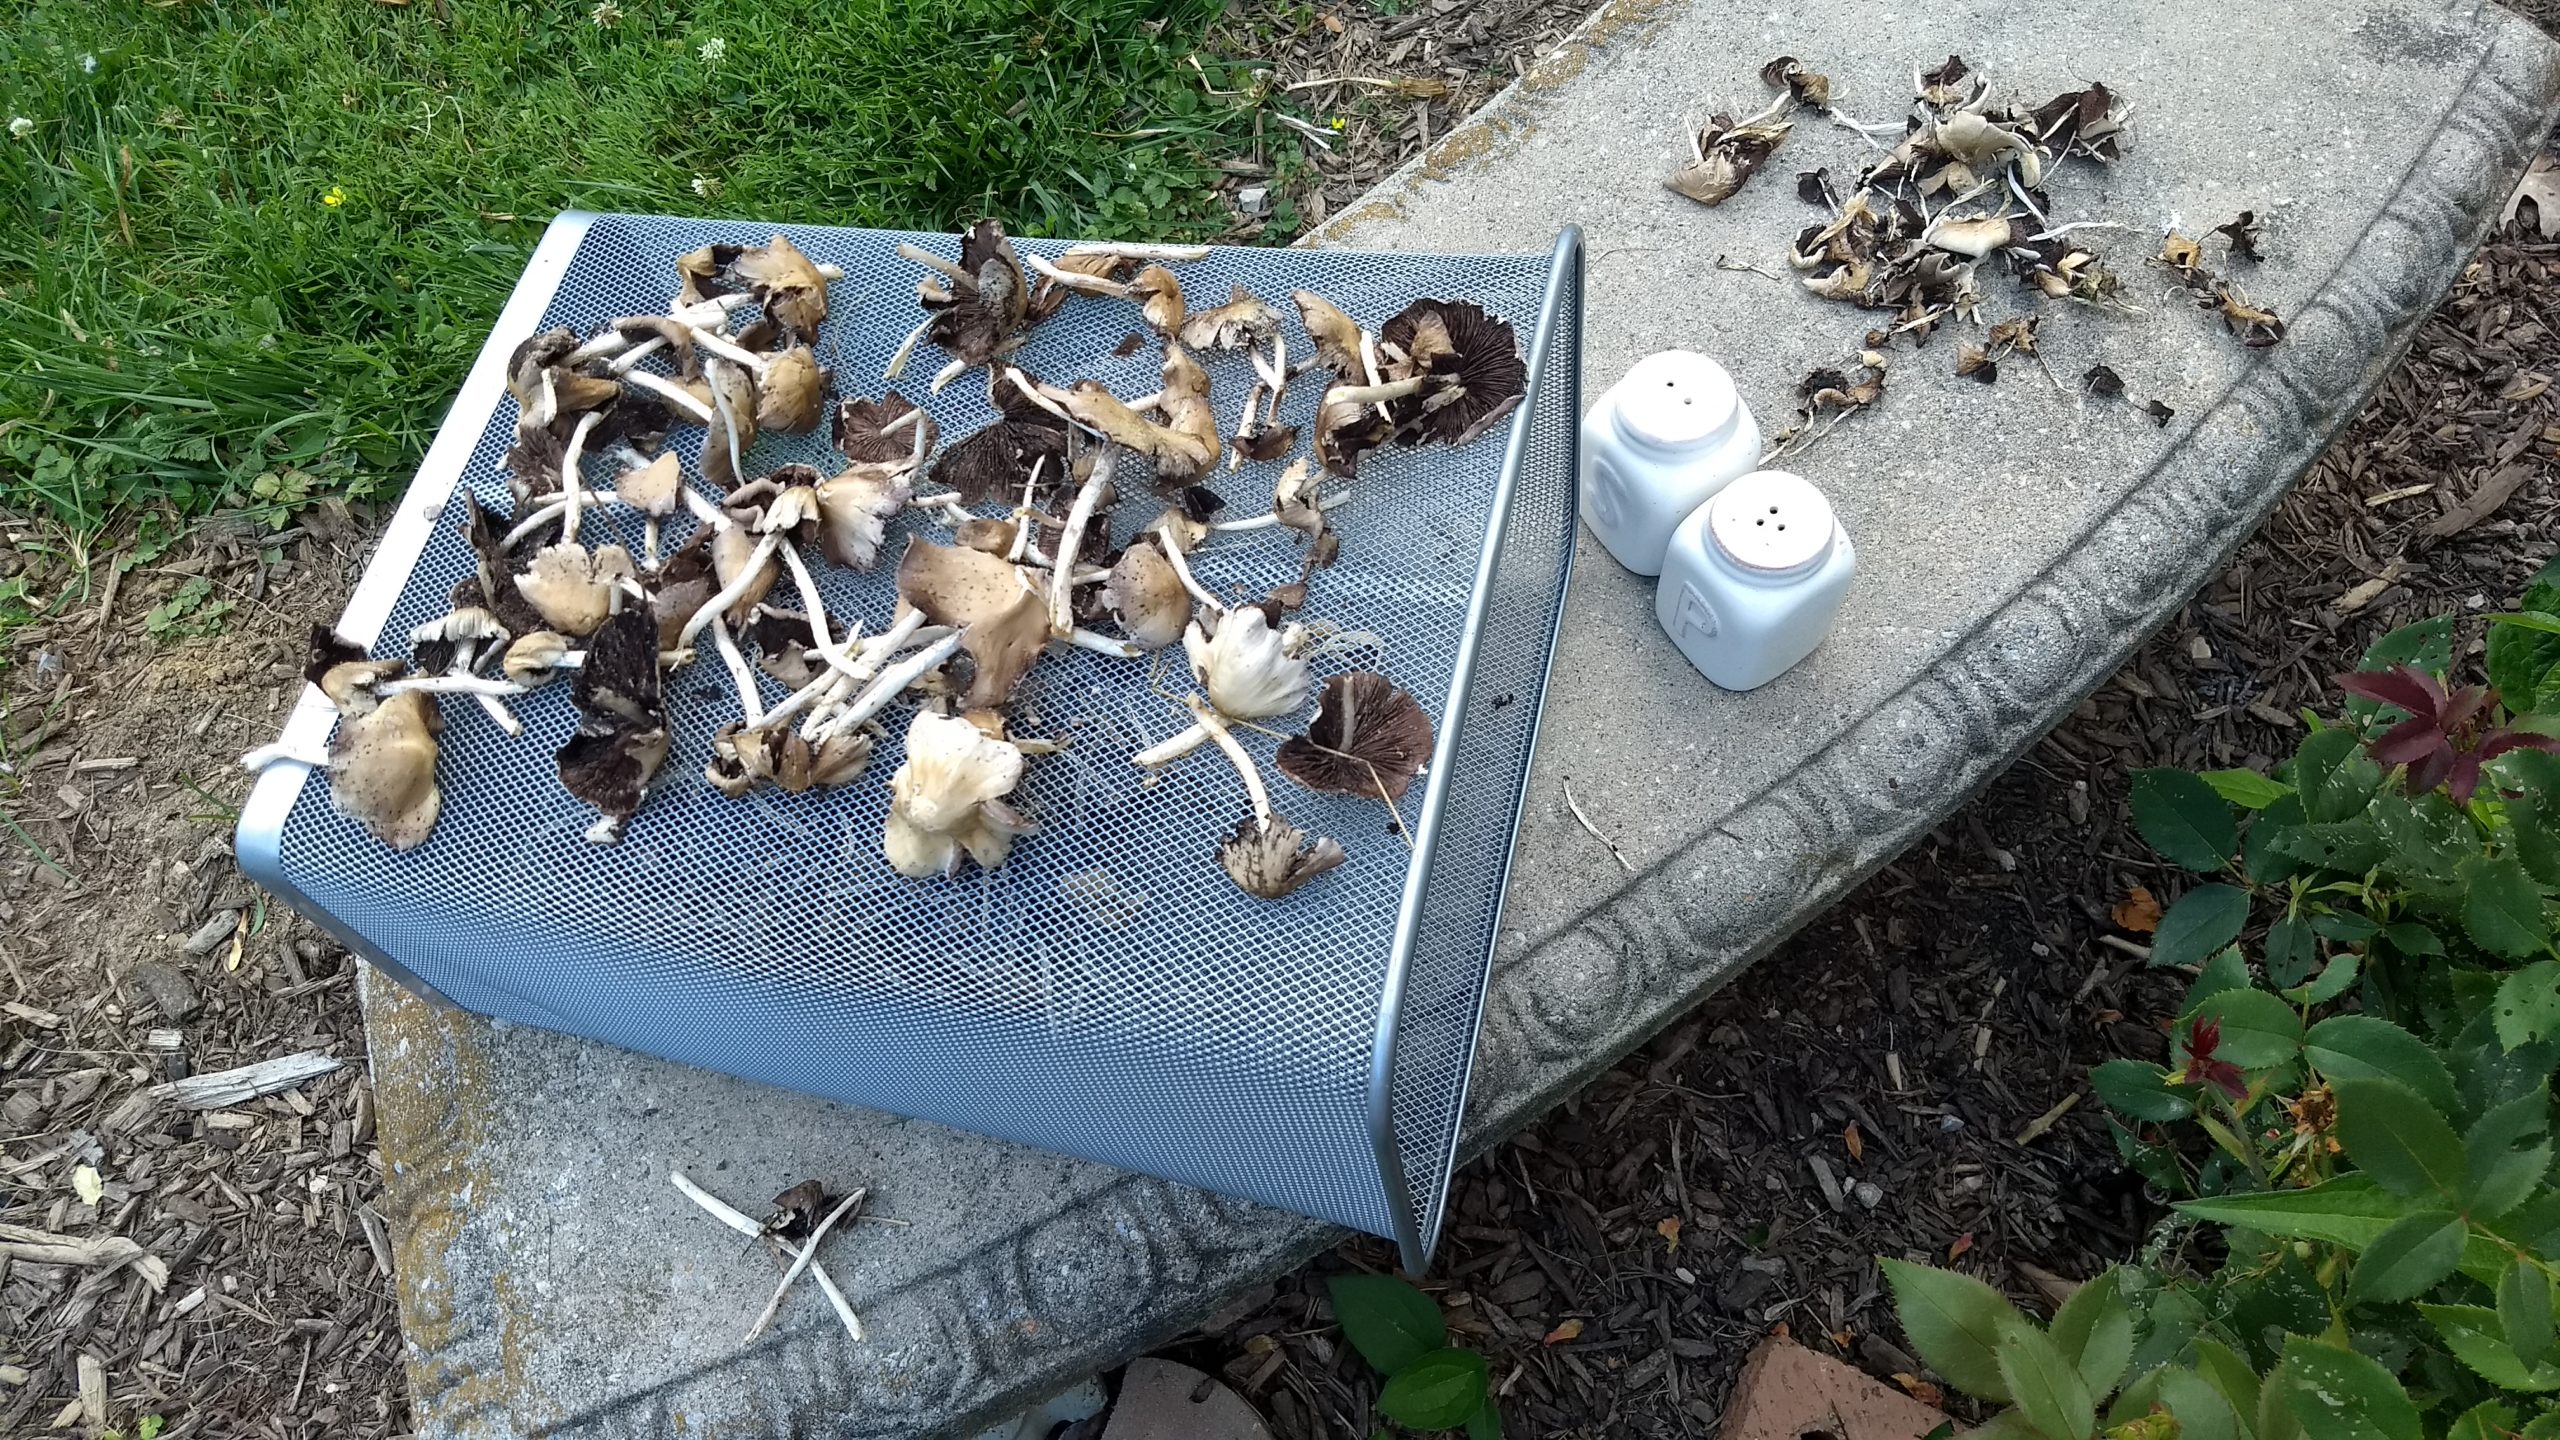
(897,365)
(910,416)
(1084,639)
(1137,251)
(1225,739)
(1037,395)
(704,511)
(2020,191)
(815,605)
(1164,752)
(449,684)
(720,345)
(1071,540)
(750,696)
(1182,572)
(943,377)
(1076,280)
(1378,394)
(729,424)
(1244,422)
(1023,513)
(283,753)
(1369,362)
(947,502)
(573,490)
(1277,375)
(729,593)
(490,705)
(535,519)
(892,680)
(931,261)
(808,1255)
(649,543)
(1272,517)
(671,392)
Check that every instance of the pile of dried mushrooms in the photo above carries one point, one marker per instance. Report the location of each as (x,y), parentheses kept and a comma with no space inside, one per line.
(999,542)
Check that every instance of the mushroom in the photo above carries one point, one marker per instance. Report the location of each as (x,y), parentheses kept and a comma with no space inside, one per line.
(1473,360)
(877,431)
(1725,152)
(743,563)
(1368,738)
(991,464)
(1183,449)
(741,757)
(653,489)
(1240,324)
(536,659)
(452,642)
(1295,504)
(621,738)
(1348,422)
(1159,296)
(947,799)
(1337,336)
(791,392)
(999,607)
(855,506)
(382,760)
(1245,665)
(1145,595)
(979,314)
(731,432)
(788,284)
(495,577)
(683,586)
(572,588)
(1976,235)
(1266,856)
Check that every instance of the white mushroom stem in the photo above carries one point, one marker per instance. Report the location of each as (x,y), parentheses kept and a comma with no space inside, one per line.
(750,697)
(1164,752)
(1077,280)
(495,708)
(1137,251)
(1023,513)
(931,261)
(1369,362)
(1084,639)
(947,502)
(449,684)
(821,696)
(573,489)
(808,1256)
(705,511)
(726,349)
(721,1211)
(892,680)
(1378,394)
(1037,395)
(816,607)
(1225,740)
(1244,422)
(909,416)
(897,365)
(729,427)
(1272,517)
(1182,572)
(943,377)
(1071,540)
(671,392)
(1275,372)
(283,753)
(729,593)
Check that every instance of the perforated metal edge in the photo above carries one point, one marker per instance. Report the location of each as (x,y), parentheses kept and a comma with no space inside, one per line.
(1413,1246)
(260,837)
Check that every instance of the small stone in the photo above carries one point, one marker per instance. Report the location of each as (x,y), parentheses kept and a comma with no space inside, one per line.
(210,935)
(1869,1193)
(1254,200)
(1950,1124)
(166,989)
(1160,1400)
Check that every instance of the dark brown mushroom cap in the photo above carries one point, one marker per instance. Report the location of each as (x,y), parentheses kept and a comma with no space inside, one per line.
(970,333)
(1346,430)
(682,585)
(861,435)
(1005,621)
(328,650)
(990,465)
(621,738)
(534,462)
(637,419)
(1367,736)
(780,638)
(1269,442)
(533,355)
(496,571)
(1015,403)
(1267,862)
(1482,357)
(988,257)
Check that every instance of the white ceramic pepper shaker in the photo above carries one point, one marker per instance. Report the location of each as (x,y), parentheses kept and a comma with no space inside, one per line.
(1656,446)
(1753,579)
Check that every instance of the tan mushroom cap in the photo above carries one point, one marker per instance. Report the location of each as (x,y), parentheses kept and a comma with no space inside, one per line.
(572,588)
(731,546)
(534,658)
(792,396)
(1336,335)
(1159,293)
(1146,596)
(1268,862)
(1243,320)
(947,799)
(1003,611)
(730,391)
(654,488)
(382,769)
(855,507)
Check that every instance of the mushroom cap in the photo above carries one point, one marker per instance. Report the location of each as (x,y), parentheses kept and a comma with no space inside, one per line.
(730,547)
(382,769)
(1243,320)
(1266,861)
(1246,666)
(1977,236)
(1266,442)
(947,798)
(993,536)
(1146,596)
(988,257)
(733,402)
(683,583)
(652,488)
(571,587)
(1336,335)
(1367,736)
(1455,341)
(970,333)
(534,354)
(784,502)
(792,396)
(534,659)
(989,465)
(1004,614)
(855,507)
(860,432)
(1347,429)
(787,284)
(677,334)
(576,392)
(621,738)
(1159,292)
(495,573)
(778,756)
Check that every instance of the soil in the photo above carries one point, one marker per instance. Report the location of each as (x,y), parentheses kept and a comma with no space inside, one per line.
(1937,1080)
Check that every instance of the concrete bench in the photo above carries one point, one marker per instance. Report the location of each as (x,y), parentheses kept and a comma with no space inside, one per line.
(2017,540)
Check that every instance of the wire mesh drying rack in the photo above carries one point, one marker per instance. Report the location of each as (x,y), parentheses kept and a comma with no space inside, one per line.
(1107,993)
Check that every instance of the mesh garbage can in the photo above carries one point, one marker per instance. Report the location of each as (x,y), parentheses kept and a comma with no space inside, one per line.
(1108,992)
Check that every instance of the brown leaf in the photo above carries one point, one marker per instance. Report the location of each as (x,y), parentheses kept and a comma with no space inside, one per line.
(1962,1243)
(1333,23)
(1921,1390)
(1669,1230)
(1565,1330)
(2138,912)
(1856,1142)
(2541,185)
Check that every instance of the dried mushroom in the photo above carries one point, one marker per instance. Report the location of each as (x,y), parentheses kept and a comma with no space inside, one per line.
(882,431)
(742,758)
(572,588)
(1368,738)
(1808,88)
(1246,666)
(1471,360)
(382,760)
(1725,152)
(1240,324)
(621,739)
(1145,595)
(1266,856)
(1000,608)
(790,286)
(948,799)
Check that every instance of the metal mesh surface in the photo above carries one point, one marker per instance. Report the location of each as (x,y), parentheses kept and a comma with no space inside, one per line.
(1108,992)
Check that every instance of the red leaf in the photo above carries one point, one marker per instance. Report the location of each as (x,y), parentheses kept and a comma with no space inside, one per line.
(2431,772)
(2404,686)
(2464,778)
(2408,742)
(2465,703)
(2499,742)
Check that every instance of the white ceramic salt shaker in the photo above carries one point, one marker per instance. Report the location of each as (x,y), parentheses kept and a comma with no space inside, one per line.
(1656,446)
(1753,578)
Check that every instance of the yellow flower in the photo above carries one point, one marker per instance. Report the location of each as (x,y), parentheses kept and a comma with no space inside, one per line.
(336,197)
(1336,122)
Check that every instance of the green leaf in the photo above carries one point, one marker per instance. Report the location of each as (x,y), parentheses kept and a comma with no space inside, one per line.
(2264,860)
(2094,1330)
(2180,816)
(2134,1401)
(2170,1319)
(2475,1337)
(2043,1382)
(2258,1030)
(2361,1047)
(2246,788)
(2524,1310)
(2528,1004)
(1486,1422)
(2007,1425)
(2344,928)
(2509,1151)
(2409,1259)
(2334,775)
(2349,1210)
(2487,1420)
(1388,1321)
(2351,846)
(2394,1135)
(2502,908)
(2332,981)
(2140,1089)
(2411,938)
(2201,1410)
(2275,1416)
(2340,1395)
(2226,971)
(2536,818)
(1953,1323)
(2292,952)
(1436,1392)
(2427,644)
(2202,921)
(2230,1374)
(2545,1426)
(2523,649)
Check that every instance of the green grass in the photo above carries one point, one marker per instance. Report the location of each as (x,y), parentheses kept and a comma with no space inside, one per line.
(247,250)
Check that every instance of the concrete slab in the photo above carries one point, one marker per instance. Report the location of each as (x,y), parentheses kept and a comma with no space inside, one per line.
(2015,543)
